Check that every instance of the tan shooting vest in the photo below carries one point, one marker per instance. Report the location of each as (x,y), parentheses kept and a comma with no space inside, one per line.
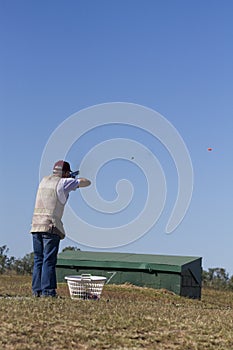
(48,209)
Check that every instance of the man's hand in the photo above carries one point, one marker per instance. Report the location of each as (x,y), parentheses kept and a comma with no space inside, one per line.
(83,182)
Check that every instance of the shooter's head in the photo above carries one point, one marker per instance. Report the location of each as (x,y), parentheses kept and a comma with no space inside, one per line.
(61,169)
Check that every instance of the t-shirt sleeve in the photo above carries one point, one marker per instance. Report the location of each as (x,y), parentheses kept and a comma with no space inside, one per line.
(65,186)
(70,184)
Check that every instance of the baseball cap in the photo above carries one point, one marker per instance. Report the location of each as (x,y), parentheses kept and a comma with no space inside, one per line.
(61,166)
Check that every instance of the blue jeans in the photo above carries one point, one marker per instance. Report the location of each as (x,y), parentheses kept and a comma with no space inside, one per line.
(45,247)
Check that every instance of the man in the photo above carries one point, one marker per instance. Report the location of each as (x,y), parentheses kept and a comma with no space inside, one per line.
(47,227)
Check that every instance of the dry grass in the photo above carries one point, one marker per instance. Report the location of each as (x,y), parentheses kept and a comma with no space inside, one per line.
(126,317)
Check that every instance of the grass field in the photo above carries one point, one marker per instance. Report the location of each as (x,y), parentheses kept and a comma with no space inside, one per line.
(125,317)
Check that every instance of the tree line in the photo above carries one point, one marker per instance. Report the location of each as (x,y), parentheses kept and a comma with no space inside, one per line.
(216,278)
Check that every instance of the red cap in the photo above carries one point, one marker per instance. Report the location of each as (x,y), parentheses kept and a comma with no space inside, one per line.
(61,166)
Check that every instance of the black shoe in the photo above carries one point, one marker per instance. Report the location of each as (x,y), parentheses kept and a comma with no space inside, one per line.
(48,296)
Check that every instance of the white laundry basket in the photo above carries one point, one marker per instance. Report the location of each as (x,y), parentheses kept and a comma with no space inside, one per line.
(85,287)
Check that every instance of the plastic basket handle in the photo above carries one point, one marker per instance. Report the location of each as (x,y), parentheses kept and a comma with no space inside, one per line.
(86,277)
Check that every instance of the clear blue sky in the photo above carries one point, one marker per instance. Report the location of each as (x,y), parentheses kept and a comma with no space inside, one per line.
(174,56)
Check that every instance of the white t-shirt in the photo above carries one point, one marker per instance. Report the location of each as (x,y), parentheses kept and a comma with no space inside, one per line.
(65,186)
